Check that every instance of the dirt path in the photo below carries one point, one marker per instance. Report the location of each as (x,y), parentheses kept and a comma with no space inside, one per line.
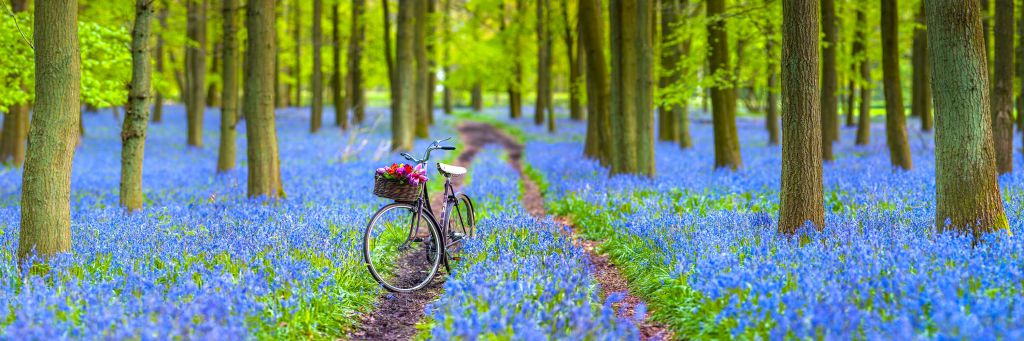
(604,271)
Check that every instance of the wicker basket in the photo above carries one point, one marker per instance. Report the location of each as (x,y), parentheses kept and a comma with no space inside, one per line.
(395,191)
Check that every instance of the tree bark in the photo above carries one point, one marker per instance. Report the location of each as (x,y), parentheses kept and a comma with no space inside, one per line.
(801,199)
(829,103)
(212,95)
(297,37)
(340,82)
(317,81)
(133,131)
(1020,70)
(421,91)
(515,95)
(860,52)
(543,64)
(921,91)
(14,133)
(53,133)
(262,150)
(723,102)
(1002,87)
(668,113)
(431,64)
(195,71)
(966,188)
(575,107)
(895,118)
(477,97)
(447,94)
(404,117)
(226,155)
(632,84)
(599,127)
(772,116)
(357,96)
(158,103)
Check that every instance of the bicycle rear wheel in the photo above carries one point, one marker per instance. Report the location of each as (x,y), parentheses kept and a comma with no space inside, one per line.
(401,248)
(461,227)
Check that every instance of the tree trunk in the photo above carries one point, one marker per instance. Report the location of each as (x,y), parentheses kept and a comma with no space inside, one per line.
(829,103)
(404,117)
(543,64)
(668,112)
(772,116)
(195,71)
(297,37)
(632,84)
(390,60)
(46,180)
(431,64)
(966,187)
(986,13)
(860,53)
(477,97)
(447,94)
(851,98)
(158,103)
(262,151)
(644,48)
(921,103)
(723,103)
(14,135)
(1002,89)
(226,155)
(339,82)
(356,94)
(599,126)
(575,107)
(212,96)
(133,131)
(317,81)
(421,92)
(1020,70)
(895,118)
(801,199)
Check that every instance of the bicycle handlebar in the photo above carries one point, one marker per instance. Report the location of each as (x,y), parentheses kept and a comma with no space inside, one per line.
(426,156)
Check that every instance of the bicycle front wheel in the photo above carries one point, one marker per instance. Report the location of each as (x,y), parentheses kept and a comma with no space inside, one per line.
(402,248)
(461,227)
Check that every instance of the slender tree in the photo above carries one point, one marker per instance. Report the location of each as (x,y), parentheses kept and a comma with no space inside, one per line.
(431,64)
(895,118)
(226,154)
(599,143)
(543,63)
(801,199)
(356,94)
(403,119)
(1002,87)
(515,100)
(53,132)
(967,195)
(264,163)
(723,101)
(683,120)
(339,82)
(297,37)
(158,102)
(829,102)
(14,133)
(860,53)
(421,91)
(195,71)
(477,97)
(669,113)
(317,81)
(571,49)
(921,90)
(447,94)
(136,116)
(772,114)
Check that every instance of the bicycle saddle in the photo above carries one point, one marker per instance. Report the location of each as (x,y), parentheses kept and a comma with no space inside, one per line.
(450,170)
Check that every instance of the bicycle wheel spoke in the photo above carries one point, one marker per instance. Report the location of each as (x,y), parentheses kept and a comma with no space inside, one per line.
(400,248)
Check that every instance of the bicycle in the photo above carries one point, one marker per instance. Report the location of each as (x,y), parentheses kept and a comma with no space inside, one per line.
(400,245)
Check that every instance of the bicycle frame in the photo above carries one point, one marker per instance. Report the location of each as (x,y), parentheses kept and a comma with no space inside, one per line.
(424,209)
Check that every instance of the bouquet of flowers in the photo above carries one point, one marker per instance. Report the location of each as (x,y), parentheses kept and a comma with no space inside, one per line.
(403,174)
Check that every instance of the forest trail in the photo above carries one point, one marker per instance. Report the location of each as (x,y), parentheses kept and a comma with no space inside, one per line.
(611,280)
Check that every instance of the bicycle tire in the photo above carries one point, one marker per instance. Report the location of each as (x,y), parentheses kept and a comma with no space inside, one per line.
(409,271)
(461,227)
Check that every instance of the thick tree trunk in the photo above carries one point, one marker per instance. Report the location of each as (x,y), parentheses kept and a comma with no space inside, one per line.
(723,102)
(921,90)
(632,85)
(226,155)
(644,48)
(599,127)
(966,188)
(829,102)
(262,151)
(195,71)
(297,37)
(1002,87)
(421,91)
(403,119)
(133,131)
(801,199)
(895,118)
(46,181)
(859,52)
(1020,69)
(158,103)
(543,64)
(317,81)
(339,82)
